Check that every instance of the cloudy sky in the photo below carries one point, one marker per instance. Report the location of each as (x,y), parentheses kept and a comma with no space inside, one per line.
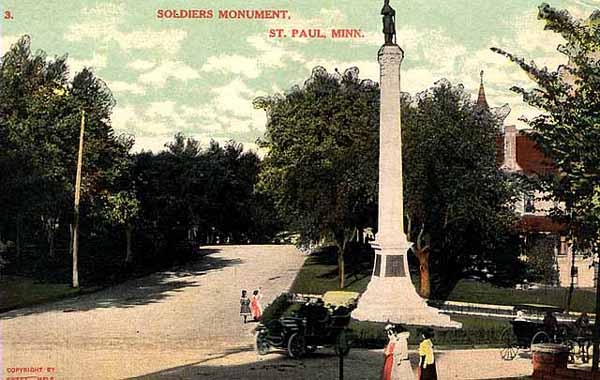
(199,76)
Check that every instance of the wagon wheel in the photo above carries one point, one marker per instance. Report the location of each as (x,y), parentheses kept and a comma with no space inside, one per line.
(296,345)
(262,345)
(509,341)
(342,347)
(540,337)
(573,350)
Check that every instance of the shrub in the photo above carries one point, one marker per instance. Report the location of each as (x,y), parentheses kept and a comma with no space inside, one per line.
(276,309)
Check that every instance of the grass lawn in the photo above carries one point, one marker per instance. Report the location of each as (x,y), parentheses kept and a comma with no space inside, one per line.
(320,274)
(472,291)
(475,332)
(21,291)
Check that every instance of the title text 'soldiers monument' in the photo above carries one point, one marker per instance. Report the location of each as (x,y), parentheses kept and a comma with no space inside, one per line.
(390,295)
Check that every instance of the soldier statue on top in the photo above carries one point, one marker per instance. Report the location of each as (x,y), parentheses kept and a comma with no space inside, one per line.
(389,23)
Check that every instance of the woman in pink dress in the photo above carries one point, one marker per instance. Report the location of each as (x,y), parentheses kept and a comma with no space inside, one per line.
(255,306)
(396,365)
(388,352)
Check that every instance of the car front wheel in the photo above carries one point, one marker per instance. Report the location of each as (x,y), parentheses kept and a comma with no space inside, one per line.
(296,345)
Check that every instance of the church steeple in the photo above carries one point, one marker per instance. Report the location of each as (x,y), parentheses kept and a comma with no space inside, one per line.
(481,101)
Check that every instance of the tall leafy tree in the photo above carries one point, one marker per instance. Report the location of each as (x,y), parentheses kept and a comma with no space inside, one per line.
(456,198)
(321,165)
(39,127)
(122,209)
(568,129)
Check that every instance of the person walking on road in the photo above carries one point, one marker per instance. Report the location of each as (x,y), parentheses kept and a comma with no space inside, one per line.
(388,352)
(427,370)
(396,365)
(255,306)
(245,311)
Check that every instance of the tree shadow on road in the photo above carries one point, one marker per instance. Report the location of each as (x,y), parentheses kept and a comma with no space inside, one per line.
(359,364)
(140,291)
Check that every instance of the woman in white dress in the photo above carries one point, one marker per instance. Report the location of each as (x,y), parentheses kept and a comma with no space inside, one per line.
(396,365)
(402,369)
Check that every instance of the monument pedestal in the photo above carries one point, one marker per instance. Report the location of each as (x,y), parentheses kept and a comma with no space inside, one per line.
(390,295)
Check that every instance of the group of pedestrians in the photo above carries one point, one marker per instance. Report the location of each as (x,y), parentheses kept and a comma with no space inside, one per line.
(250,306)
(396,365)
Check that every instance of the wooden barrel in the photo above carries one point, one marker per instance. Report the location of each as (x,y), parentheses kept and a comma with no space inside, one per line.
(549,356)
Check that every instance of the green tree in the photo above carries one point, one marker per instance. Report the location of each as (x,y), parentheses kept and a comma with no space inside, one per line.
(321,165)
(568,129)
(456,198)
(122,209)
(191,193)
(40,112)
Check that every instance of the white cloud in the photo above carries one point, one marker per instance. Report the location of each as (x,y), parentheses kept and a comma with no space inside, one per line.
(169,41)
(165,112)
(102,23)
(7,42)
(232,64)
(270,54)
(122,117)
(125,87)
(166,70)
(235,98)
(141,65)
(98,61)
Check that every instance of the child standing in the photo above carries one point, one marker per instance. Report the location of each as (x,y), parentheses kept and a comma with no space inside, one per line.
(255,306)
(245,306)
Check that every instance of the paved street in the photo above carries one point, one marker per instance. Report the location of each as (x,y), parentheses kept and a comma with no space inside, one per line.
(185,324)
(358,365)
(166,320)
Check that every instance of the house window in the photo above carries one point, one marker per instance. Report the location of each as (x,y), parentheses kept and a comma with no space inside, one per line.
(529,204)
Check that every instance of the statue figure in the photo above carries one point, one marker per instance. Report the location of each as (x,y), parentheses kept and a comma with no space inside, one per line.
(389,22)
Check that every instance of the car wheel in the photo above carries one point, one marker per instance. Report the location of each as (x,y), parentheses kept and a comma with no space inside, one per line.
(296,345)
(262,345)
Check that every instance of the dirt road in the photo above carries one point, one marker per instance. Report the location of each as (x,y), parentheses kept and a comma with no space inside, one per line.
(167,320)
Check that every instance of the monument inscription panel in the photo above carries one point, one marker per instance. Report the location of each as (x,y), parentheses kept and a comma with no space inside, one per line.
(394,266)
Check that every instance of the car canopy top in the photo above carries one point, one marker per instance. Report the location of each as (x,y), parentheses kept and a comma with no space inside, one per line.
(340,298)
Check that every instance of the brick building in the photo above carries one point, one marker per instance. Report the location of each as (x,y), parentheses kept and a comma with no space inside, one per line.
(517,152)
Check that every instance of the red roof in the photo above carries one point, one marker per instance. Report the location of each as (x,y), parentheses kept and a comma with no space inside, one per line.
(531,158)
(539,223)
(529,155)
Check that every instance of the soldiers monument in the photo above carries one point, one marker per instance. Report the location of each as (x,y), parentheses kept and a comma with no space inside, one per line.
(390,295)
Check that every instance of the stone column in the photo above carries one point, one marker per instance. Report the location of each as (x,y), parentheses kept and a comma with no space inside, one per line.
(390,295)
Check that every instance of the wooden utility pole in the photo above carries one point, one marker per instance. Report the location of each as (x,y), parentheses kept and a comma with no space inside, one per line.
(76,208)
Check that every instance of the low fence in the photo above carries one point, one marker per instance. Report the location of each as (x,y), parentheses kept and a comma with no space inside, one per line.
(498,311)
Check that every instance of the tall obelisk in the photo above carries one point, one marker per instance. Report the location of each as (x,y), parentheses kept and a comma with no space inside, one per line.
(390,295)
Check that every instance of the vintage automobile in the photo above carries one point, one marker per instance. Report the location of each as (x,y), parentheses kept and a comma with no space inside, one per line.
(317,323)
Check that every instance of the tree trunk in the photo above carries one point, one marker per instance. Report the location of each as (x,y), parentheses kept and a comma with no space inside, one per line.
(70,239)
(129,254)
(19,238)
(51,244)
(423,257)
(341,269)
